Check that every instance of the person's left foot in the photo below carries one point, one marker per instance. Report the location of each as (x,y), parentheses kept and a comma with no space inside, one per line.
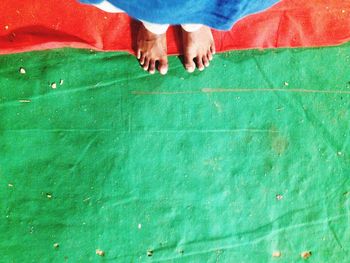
(199,48)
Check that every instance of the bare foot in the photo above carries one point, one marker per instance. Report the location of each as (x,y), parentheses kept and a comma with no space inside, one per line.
(199,47)
(152,51)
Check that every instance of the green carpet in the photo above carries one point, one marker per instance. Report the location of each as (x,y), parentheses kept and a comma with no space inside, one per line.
(247,161)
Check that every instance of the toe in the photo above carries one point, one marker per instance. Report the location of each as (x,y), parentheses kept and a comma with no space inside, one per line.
(210,56)
(189,63)
(146,64)
(199,61)
(163,65)
(142,59)
(205,61)
(152,66)
(138,54)
(212,49)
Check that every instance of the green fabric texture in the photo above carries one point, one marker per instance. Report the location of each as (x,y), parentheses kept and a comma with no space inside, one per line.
(247,161)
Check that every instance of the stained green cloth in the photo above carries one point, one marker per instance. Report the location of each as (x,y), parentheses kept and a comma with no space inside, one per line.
(244,162)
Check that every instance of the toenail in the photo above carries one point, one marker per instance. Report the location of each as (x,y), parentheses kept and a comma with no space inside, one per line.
(190,70)
(200,69)
(163,71)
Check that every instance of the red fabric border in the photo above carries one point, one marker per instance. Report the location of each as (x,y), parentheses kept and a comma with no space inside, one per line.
(34,25)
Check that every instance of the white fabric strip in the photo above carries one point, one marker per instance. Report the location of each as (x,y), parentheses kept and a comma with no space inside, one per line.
(108,7)
(157,29)
(191,27)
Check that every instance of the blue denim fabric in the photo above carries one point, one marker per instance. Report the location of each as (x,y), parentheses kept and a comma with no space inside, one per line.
(218,14)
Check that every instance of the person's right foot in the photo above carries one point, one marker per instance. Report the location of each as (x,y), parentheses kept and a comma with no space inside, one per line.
(152,51)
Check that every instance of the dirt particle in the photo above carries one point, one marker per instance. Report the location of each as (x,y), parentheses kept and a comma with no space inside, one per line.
(280,144)
(306,254)
(6,27)
(48,195)
(279,197)
(24,101)
(10,185)
(12,37)
(61,82)
(286,83)
(100,252)
(22,70)
(56,245)
(139,226)
(86,199)
(276,254)
(149,253)
(54,85)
